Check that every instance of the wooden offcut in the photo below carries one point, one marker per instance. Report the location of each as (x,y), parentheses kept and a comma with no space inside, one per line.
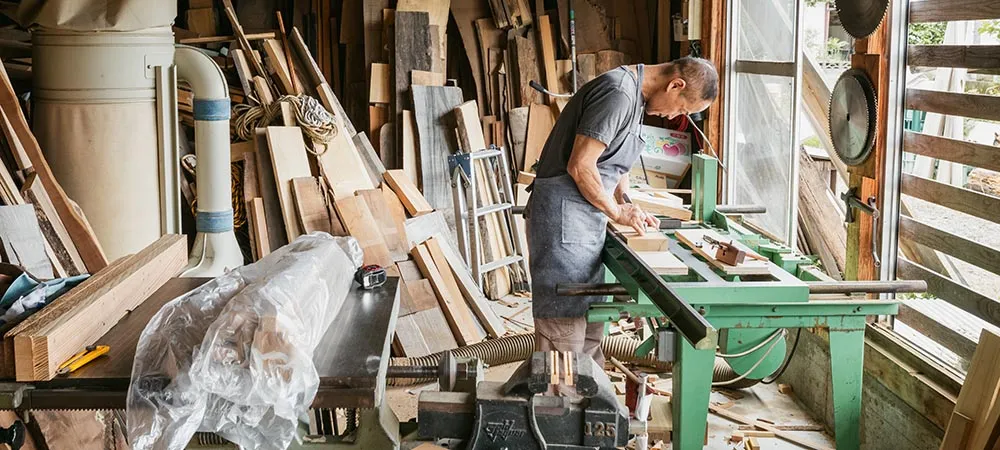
(449,296)
(288,160)
(978,397)
(359,222)
(408,194)
(311,205)
(663,263)
(381,77)
(258,228)
(81,316)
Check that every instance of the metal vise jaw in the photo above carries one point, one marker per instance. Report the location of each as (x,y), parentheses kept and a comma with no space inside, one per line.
(515,414)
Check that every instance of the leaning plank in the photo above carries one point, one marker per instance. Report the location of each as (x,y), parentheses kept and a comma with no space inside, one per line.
(414,202)
(960,199)
(288,159)
(311,205)
(526,69)
(358,221)
(84,314)
(450,298)
(415,296)
(961,56)
(392,228)
(953,10)
(432,106)
(540,122)
(21,241)
(409,147)
(470,290)
(970,251)
(341,165)
(412,52)
(954,150)
(258,228)
(276,236)
(950,291)
(279,64)
(976,106)
(17,132)
(980,383)
(548,54)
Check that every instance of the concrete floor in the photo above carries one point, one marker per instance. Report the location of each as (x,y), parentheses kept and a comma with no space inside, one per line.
(761,401)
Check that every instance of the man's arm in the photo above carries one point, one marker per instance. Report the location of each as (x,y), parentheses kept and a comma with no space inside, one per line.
(582,168)
(621,189)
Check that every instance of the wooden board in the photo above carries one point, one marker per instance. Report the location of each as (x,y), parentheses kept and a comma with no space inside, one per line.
(960,56)
(341,164)
(541,119)
(392,228)
(373,164)
(288,159)
(547,52)
(981,382)
(360,223)
(21,241)
(408,270)
(371,12)
(432,107)
(652,241)
(258,228)
(494,327)
(517,120)
(525,63)
(311,205)
(492,41)
(953,10)
(955,150)
(424,333)
(976,106)
(276,234)
(412,52)
(664,263)
(967,299)
(450,298)
(243,72)
(967,250)
(586,64)
(750,266)
(957,198)
(381,77)
(397,210)
(465,15)
(661,206)
(78,318)
(437,15)
(408,194)
(416,296)
(609,60)
(426,78)
(410,147)
(279,64)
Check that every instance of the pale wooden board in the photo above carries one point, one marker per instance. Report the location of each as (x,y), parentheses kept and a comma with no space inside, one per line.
(279,64)
(310,203)
(547,53)
(341,164)
(473,295)
(380,91)
(540,122)
(432,107)
(416,296)
(663,262)
(397,210)
(980,383)
(410,149)
(426,78)
(408,194)
(652,241)
(80,317)
(276,234)
(661,206)
(258,228)
(392,229)
(521,195)
(288,159)
(450,298)
(358,221)
(431,335)
(408,270)
(749,267)
(373,164)
(470,129)
(21,241)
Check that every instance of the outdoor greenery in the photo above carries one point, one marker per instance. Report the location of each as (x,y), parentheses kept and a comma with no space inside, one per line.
(926,33)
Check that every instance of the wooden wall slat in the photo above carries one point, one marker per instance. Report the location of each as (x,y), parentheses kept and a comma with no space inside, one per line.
(949,10)
(954,104)
(944,288)
(954,150)
(960,199)
(945,242)
(963,56)
(936,331)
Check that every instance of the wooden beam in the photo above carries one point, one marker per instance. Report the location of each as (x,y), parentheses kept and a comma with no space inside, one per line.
(258,228)
(953,10)
(970,251)
(960,199)
(953,104)
(470,290)
(942,287)
(936,331)
(414,202)
(80,317)
(954,150)
(221,39)
(959,56)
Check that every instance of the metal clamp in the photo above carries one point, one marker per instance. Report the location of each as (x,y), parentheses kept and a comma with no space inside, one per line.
(852,201)
(12,394)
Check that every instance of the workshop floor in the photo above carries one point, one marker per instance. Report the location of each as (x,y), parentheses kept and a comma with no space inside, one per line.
(759,402)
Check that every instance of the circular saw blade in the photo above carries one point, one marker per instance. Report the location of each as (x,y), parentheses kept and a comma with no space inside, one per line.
(860,18)
(853,108)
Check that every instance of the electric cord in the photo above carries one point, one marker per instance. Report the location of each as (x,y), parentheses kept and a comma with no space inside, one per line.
(759,346)
(784,365)
(752,368)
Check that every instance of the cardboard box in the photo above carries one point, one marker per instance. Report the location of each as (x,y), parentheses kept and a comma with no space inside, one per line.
(655,179)
(667,151)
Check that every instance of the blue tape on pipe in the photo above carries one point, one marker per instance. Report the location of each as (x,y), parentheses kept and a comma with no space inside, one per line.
(209,109)
(214,221)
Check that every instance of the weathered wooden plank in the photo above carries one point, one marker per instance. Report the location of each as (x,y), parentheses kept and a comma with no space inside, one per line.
(525,69)
(412,52)
(459,319)
(962,56)
(978,396)
(960,199)
(470,290)
(948,290)
(936,331)
(541,119)
(953,104)
(954,150)
(945,242)
(21,241)
(311,205)
(953,10)
(432,107)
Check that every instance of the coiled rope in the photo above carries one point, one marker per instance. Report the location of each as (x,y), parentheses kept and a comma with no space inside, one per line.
(310,115)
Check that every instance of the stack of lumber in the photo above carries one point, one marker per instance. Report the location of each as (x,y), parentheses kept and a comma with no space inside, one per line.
(975,422)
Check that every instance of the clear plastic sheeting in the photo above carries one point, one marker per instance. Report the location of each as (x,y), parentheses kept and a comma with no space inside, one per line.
(235,356)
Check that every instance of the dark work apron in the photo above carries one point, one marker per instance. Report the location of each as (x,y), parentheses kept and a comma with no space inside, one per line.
(566,233)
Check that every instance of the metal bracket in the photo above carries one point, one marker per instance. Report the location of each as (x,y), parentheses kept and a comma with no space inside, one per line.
(853,202)
(12,394)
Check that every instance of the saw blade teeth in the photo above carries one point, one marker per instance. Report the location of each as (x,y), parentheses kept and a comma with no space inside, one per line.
(858,16)
(852,116)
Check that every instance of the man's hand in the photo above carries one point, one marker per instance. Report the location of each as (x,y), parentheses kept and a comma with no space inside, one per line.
(633,216)
(652,221)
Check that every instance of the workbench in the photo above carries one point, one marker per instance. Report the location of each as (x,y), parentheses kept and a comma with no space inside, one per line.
(351,359)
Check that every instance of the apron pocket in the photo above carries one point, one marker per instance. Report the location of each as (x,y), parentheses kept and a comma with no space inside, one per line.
(582,223)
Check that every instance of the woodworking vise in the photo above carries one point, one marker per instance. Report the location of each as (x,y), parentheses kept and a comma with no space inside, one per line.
(581,411)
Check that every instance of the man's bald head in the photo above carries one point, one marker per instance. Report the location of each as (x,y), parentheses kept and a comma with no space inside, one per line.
(683,86)
(700,75)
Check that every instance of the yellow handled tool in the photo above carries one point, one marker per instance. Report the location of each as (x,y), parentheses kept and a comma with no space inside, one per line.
(78,360)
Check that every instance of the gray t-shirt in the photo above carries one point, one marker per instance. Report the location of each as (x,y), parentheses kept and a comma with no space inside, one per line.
(607,108)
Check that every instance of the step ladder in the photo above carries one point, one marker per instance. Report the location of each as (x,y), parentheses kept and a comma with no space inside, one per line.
(465,183)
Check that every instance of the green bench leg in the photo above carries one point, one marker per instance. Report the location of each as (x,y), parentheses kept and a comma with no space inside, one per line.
(691,389)
(847,349)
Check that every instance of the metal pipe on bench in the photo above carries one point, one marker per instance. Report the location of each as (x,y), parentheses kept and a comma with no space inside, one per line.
(741,209)
(831,287)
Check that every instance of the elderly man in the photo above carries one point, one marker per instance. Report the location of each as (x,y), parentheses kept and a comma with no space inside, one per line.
(581,180)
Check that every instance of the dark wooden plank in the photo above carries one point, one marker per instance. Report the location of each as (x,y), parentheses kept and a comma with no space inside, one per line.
(412,52)
(960,199)
(953,104)
(944,288)
(21,241)
(465,14)
(525,64)
(371,11)
(954,150)
(432,112)
(964,56)
(952,10)
(610,59)
(936,331)
(945,242)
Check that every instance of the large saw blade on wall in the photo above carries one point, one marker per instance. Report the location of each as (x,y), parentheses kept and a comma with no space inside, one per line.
(853,107)
(860,18)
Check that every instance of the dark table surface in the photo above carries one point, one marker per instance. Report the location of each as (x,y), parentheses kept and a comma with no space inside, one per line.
(351,357)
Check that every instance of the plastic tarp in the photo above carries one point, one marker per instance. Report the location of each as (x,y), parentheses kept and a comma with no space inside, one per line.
(235,356)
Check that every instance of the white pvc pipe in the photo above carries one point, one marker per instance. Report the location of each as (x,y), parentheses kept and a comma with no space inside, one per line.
(215,248)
